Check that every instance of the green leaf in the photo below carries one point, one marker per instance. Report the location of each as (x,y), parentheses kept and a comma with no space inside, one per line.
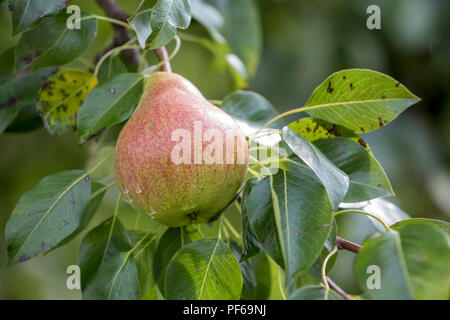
(316,269)
(116,279)
(367,178)
(413,263)
(381,208)
(314,293)
(19,90)
(360,100)
(27,119)
(315,129)
(305,217)
(112,66)
(249,107)
(166,17)
(7,58)
(210,17)
(103,242)
(443,225)
(242,29)
(251,242)
(331,240)
(28,13)
(47,214)
(238,20)
(53,44)
(257,278)
(108,104)
(335,180)
(206,270)
(304,279)
(140,22)
(224,59)
(143,256)
(87,214)
(7,116)
(171,241)
(61,97)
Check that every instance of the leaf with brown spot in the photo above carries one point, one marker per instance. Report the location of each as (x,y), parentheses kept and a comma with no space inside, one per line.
(17,90)
(47,214)
(367,178)
(314,129)
(61,98)
(359,99)
(51,43)
(27,13)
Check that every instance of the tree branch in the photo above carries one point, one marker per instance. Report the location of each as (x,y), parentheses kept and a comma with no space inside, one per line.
(122,35)
(338,289)
(347,245)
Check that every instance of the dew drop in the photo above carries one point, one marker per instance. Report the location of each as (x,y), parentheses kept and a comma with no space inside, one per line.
(138,189)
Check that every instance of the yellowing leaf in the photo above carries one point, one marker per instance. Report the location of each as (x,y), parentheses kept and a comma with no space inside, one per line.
(61,97)
(315,129)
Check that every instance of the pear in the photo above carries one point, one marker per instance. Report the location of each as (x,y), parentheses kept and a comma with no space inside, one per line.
(179,158)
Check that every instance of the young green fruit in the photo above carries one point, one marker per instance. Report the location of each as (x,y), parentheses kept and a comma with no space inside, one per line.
(163,154)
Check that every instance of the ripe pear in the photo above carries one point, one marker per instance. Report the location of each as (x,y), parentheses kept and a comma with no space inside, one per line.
(160,161)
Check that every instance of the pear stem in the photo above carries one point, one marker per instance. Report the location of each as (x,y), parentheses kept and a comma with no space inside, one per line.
(163,56)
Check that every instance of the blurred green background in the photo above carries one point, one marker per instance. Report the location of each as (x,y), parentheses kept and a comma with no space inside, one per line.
(302,42)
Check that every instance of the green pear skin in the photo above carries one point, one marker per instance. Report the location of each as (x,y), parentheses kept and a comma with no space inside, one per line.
(176,194)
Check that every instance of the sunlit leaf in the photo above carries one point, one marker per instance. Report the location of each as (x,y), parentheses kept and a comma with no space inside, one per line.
(315,129)
(61,97)
(412,262)
(171,241)
(206,269)
(360,100)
